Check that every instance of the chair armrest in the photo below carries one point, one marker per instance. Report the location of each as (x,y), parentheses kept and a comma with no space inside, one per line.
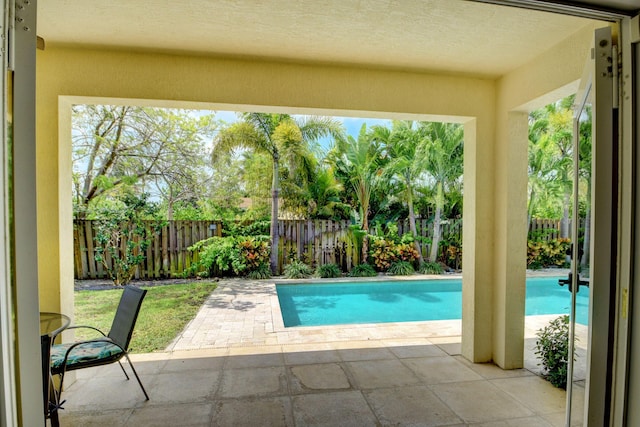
(86,327)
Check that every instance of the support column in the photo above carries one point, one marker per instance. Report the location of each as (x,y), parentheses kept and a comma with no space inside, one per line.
(509,285)
(55,215)
(478,241)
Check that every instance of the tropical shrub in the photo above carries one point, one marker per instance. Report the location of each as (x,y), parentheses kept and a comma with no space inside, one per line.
(450,253)
(263,271)
(254,252)
(230,255)
(552,253)
(122,237)
(363,270)
(385,252)
(401,268)
(328,271)
(431,268)
(552,346)
(297,270)
(407,252)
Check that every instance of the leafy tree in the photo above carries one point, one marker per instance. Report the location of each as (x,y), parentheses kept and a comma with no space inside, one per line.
(122,146)
(542,169)
(226,185)
(359,162)
(555,122)
(323,196)
(444,148)
(285,139)
(406,147)
(122,236)
(256,174)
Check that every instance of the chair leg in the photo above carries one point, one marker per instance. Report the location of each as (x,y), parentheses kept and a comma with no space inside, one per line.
(137,377)
(122,367)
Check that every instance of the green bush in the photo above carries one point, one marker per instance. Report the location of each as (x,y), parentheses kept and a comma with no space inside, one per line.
(407,252)
(263,271)
(401,268)
(552,253)
(363,270)
(230,255)
(328,271)
(431,268)
(552,345)
(122,237)
(385,252)
(254,251)
(297,270)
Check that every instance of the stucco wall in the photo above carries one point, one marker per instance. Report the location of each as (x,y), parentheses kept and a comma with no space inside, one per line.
(495,149)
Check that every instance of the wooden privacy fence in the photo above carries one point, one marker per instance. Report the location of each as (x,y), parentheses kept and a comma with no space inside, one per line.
(167,255)
(548,229)
(316,242)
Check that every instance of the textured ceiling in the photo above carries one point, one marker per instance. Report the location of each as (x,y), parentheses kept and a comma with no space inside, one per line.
(429,35)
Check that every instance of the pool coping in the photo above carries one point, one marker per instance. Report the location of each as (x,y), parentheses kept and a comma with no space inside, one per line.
(244,312)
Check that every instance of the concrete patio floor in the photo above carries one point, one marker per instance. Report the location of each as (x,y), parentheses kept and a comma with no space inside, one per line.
(236,365)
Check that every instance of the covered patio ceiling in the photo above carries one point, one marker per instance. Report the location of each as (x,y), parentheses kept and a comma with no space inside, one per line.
(437,36)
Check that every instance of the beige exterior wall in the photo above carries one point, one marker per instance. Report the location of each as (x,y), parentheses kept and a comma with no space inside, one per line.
(495,150)
(553,75)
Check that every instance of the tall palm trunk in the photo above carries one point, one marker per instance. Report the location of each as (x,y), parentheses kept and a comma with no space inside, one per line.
(365,238)
(433,257)
(273,229)
(412,224)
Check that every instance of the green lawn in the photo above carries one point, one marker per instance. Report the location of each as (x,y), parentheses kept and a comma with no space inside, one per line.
(165,311)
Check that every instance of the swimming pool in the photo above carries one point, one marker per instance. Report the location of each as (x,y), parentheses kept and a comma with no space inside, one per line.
(406,301)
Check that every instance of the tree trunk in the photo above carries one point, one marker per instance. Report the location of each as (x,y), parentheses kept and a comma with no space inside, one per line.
(412,224)
(436,224)
(365,238)
(273,229)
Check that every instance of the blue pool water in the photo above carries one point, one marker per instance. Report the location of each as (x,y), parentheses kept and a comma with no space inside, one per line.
(407,301)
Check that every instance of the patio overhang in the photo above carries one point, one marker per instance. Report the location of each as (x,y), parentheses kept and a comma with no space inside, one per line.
(483,66)
(381,61)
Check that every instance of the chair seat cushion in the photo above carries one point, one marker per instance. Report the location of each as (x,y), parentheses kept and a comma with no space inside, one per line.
(86,353)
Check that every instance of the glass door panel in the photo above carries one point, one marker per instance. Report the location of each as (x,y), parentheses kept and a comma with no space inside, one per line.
(593,237)
(579,278)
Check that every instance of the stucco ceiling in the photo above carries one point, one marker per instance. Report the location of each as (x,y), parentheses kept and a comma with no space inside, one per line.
(453,36)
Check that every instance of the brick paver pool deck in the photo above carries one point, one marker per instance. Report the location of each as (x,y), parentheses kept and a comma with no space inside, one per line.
(236,364)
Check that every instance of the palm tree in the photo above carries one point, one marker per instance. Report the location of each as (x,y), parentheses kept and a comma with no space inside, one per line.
(323,196)
(405,144)
(358,161)
(283,138)
(555,122)
(543,165)
(444,149)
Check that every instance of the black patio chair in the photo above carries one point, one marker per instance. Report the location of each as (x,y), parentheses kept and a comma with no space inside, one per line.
(108,348)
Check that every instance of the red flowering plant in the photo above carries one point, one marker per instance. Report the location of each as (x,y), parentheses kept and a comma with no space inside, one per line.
(254,252)
(407,252)
(383,253)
